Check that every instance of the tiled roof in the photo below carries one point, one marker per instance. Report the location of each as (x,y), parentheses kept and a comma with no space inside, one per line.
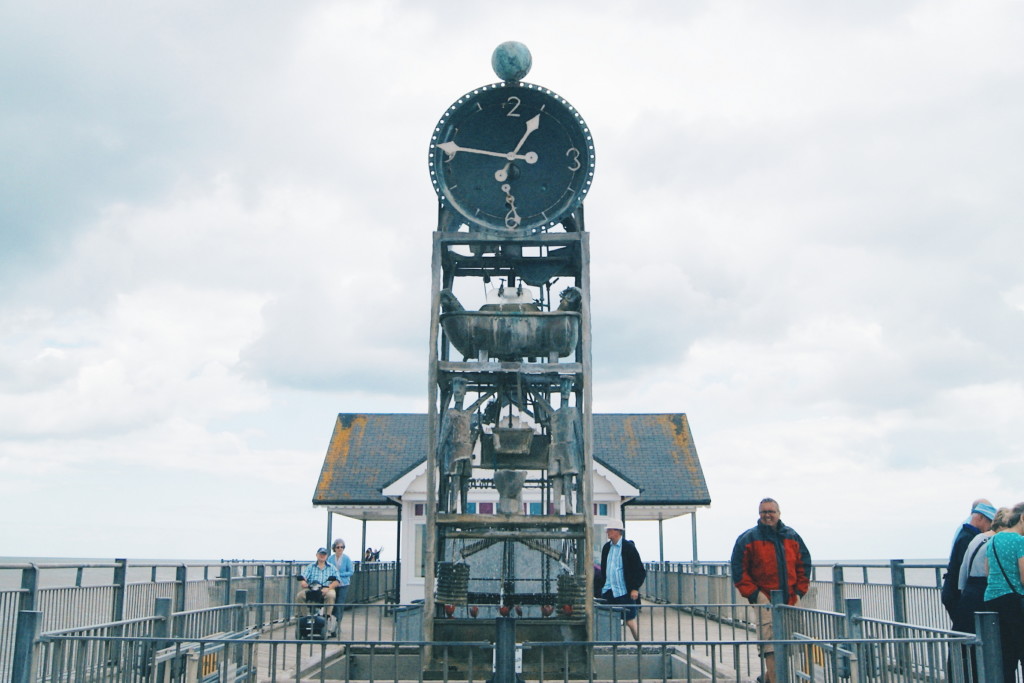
(654,452)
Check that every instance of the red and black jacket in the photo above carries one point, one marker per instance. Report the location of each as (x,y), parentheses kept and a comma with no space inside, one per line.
(762,555)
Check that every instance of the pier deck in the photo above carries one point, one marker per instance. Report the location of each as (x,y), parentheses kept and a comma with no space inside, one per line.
(691,637)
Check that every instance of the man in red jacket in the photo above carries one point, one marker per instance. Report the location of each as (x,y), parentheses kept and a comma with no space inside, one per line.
(770,556)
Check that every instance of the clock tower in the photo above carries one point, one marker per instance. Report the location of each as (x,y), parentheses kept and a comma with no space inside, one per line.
(509,465)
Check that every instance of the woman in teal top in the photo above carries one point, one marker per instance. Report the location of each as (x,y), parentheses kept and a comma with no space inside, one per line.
(1005,553)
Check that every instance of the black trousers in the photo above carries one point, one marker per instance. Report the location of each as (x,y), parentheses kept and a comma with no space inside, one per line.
(1011,632)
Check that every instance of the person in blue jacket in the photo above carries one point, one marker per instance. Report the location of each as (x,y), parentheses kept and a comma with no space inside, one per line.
(343,570)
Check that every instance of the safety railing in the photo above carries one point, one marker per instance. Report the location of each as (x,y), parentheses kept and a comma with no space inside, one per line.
(816,645)
(896,590)
(688,642)
(73,595)
(107,659)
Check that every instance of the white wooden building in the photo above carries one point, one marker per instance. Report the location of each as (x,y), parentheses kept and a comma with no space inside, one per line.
(645,468)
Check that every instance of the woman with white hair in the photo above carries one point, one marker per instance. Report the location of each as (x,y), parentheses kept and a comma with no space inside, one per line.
(343,569)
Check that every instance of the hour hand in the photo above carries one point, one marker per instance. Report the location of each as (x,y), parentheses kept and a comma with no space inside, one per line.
(501,175)
(531,125)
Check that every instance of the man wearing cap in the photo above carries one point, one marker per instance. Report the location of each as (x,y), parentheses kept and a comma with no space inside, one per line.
(622,574)
(318,573)
(768,557)
(982,513)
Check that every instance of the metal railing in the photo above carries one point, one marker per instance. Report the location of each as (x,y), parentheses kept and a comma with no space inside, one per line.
(811,645)
(76,595)
(896,590)
(698,608)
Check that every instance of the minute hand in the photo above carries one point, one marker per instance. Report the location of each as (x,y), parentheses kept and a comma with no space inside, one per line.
(451,149)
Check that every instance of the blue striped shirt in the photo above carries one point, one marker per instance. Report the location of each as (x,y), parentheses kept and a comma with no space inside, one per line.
(614,579)
(314,574)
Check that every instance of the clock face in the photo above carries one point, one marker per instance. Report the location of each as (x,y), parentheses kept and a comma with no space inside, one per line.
(511,157)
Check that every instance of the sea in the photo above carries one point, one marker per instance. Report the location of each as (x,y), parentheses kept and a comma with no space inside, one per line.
(97,571)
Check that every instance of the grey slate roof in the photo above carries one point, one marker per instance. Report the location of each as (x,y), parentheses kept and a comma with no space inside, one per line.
(654,452)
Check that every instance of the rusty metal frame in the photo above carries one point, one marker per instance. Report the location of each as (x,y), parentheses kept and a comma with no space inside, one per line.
(554,255)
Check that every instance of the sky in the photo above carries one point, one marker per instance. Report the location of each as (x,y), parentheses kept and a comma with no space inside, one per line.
(806,234)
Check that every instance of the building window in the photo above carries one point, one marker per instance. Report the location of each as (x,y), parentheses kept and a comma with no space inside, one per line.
(601,509)
(418,509)
(420,546)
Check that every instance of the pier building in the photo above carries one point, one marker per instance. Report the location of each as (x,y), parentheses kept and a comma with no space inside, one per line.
(646,468)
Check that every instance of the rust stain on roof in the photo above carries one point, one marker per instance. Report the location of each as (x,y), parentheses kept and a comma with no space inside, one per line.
(684,452)
(629,438)
(347,430)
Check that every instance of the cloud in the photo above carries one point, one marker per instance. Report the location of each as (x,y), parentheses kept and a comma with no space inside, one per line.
(215,236)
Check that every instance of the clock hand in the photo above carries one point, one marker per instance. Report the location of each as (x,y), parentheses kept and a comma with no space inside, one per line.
(501,175)
(451,149)
(531,125)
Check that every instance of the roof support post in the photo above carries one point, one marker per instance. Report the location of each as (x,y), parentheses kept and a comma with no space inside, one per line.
(693,533)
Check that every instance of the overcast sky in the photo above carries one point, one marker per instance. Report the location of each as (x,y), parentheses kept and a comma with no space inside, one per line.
(215,220)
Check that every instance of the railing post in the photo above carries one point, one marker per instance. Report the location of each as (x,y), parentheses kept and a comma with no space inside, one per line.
(990,650)
(225,599)
(162,611)
(261,594)
(854,630)
(117,609)
(290,591)
(162,629)
(121,590)
(505,650)
(225,575)
(29,588)
(29,623)
(242,601)
(899,591)
(181,579)
(780,631)
(838,588)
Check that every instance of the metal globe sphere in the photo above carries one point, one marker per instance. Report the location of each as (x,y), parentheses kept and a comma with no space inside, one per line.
(511,61)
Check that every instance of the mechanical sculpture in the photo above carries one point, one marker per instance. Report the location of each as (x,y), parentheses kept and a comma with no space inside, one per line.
(509,503)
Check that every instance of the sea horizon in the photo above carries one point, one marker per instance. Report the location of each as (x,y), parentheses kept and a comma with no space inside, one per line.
(97,571)
(29,559)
